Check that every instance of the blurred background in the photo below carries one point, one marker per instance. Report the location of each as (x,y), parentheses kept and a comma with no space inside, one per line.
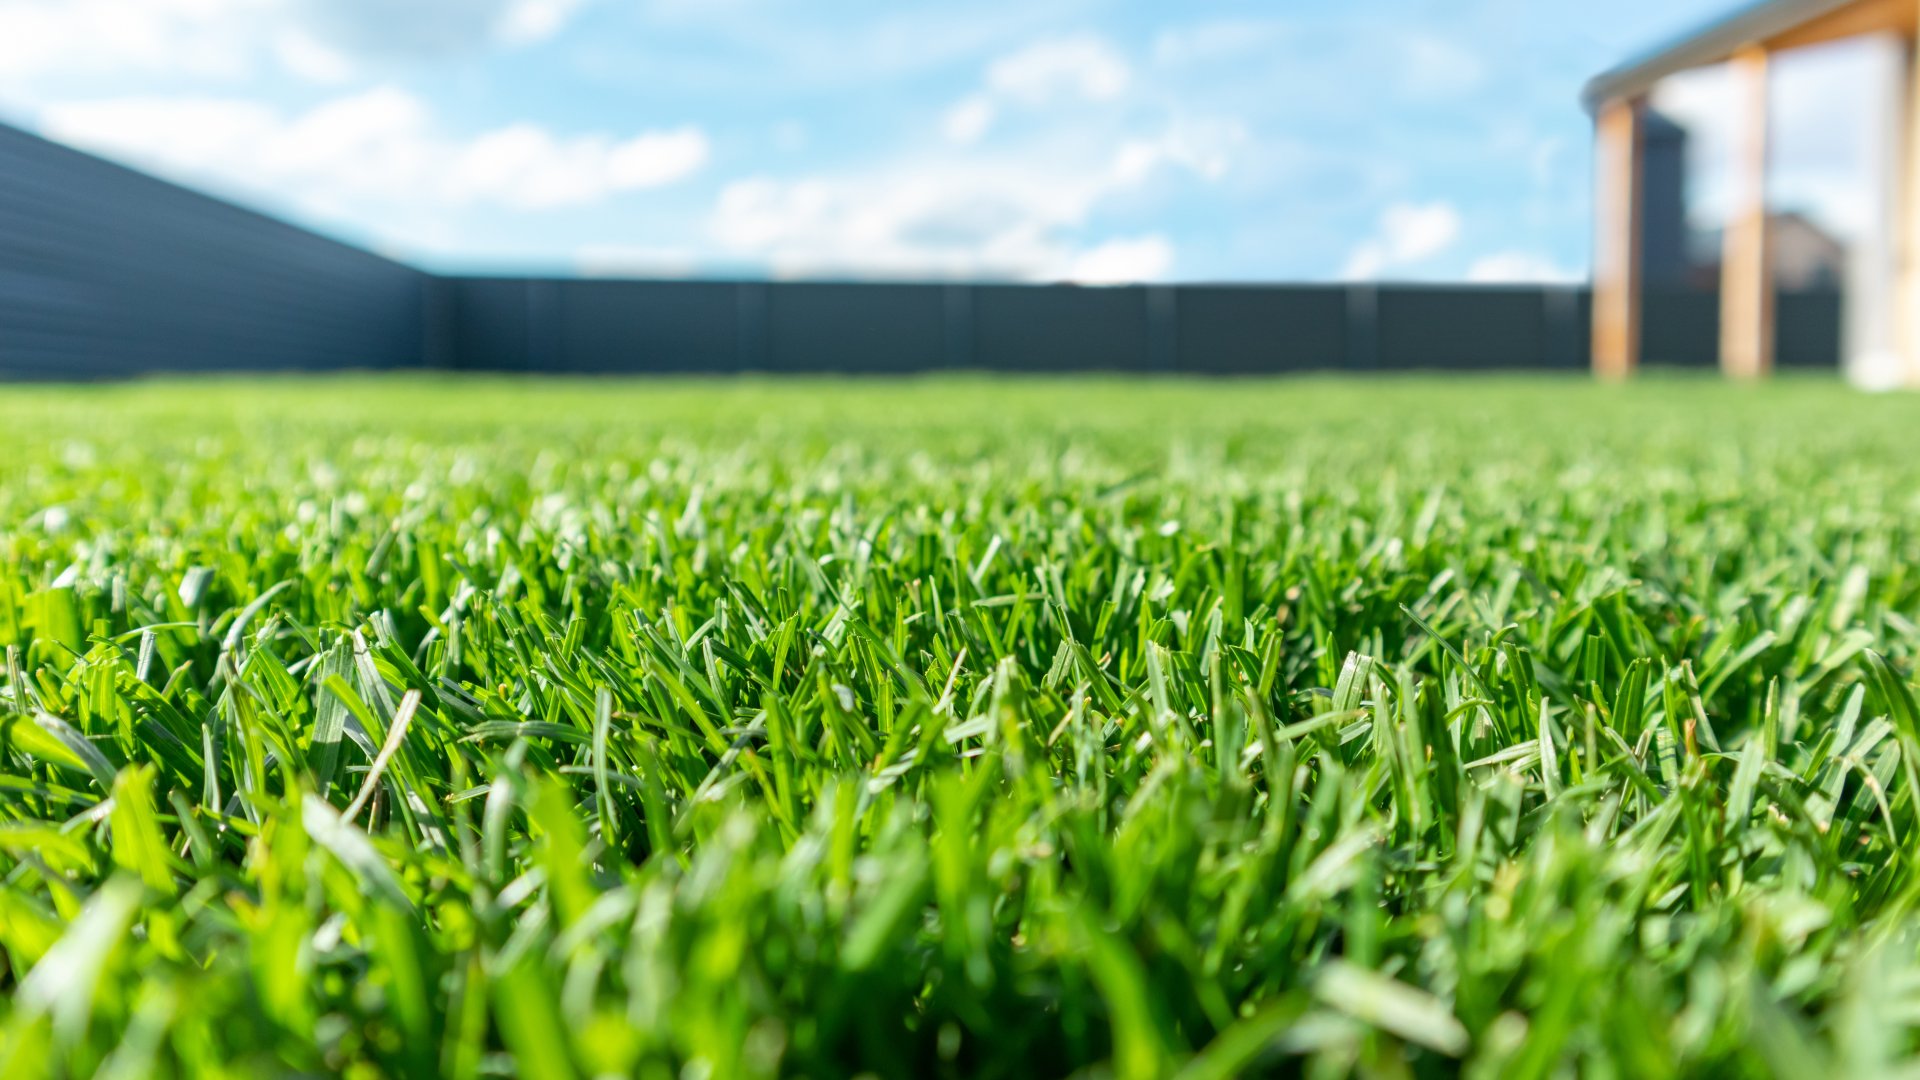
(1028,141)
(1008,139)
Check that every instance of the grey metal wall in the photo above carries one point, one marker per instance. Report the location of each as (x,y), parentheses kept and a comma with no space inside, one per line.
(521,324)
(108,272)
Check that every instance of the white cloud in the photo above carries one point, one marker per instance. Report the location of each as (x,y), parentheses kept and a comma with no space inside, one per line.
(1407,234)
(782,48)
(1358,54)
(622,260)
(526,166)
(1077,67)
(1433,66)
(379,146)
(1012,214)
(941,222)
(527,21)
(310,58)
(969,119)
(1203,146)
(1075,70)
(1520,267)
(1364,262)
(1212,42)
(1011,217)
(232,39)
(198,37)
(1121,262)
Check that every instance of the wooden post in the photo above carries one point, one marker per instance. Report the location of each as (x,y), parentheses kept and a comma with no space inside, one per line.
(1906,293)
(1619,157)
(1746,271)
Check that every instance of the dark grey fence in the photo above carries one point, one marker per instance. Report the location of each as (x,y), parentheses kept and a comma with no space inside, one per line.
(558,325)
(1681,328)
(106,272)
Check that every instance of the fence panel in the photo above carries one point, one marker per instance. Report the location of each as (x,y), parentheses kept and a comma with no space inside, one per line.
(859,328)
(108,272)
(1680,327)
(1463,327)
(1060,328)
(684,326)
(1256,329)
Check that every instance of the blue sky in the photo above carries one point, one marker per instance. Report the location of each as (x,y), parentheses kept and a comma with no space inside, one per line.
(1019,139)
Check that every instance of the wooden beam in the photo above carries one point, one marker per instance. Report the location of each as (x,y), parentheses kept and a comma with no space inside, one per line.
(1746,271)
(1619,157)
(1865,17)
(1774,25)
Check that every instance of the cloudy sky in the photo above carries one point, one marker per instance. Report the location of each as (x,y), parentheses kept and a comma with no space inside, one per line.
(1020,139)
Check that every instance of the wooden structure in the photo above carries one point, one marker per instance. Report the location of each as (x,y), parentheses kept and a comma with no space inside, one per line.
(1883,331)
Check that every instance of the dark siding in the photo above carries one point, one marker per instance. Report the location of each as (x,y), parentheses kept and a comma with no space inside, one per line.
(608,326)
(1807,329)
(1060,328)
(1569,313)
(107,272)
(595,327)
(1464,327)
(1680,327)
(856,328)
(491,326)
(648,327)
(1247,330)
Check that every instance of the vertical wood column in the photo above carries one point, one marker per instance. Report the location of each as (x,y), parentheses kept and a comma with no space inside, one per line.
(1746,271)
(1619,160)
(1906,292)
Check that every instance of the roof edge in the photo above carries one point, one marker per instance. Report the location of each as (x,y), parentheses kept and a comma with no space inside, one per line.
(1711,43)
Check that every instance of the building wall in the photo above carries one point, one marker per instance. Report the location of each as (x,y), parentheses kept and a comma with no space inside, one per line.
(108,272)
(1664,231)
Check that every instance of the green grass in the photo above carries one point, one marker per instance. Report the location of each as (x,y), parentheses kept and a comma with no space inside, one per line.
(958,727)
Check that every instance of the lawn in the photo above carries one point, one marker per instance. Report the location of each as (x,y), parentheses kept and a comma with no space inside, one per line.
(957,727)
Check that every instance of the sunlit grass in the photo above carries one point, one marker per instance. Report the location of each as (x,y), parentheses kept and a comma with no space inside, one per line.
(956,727)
